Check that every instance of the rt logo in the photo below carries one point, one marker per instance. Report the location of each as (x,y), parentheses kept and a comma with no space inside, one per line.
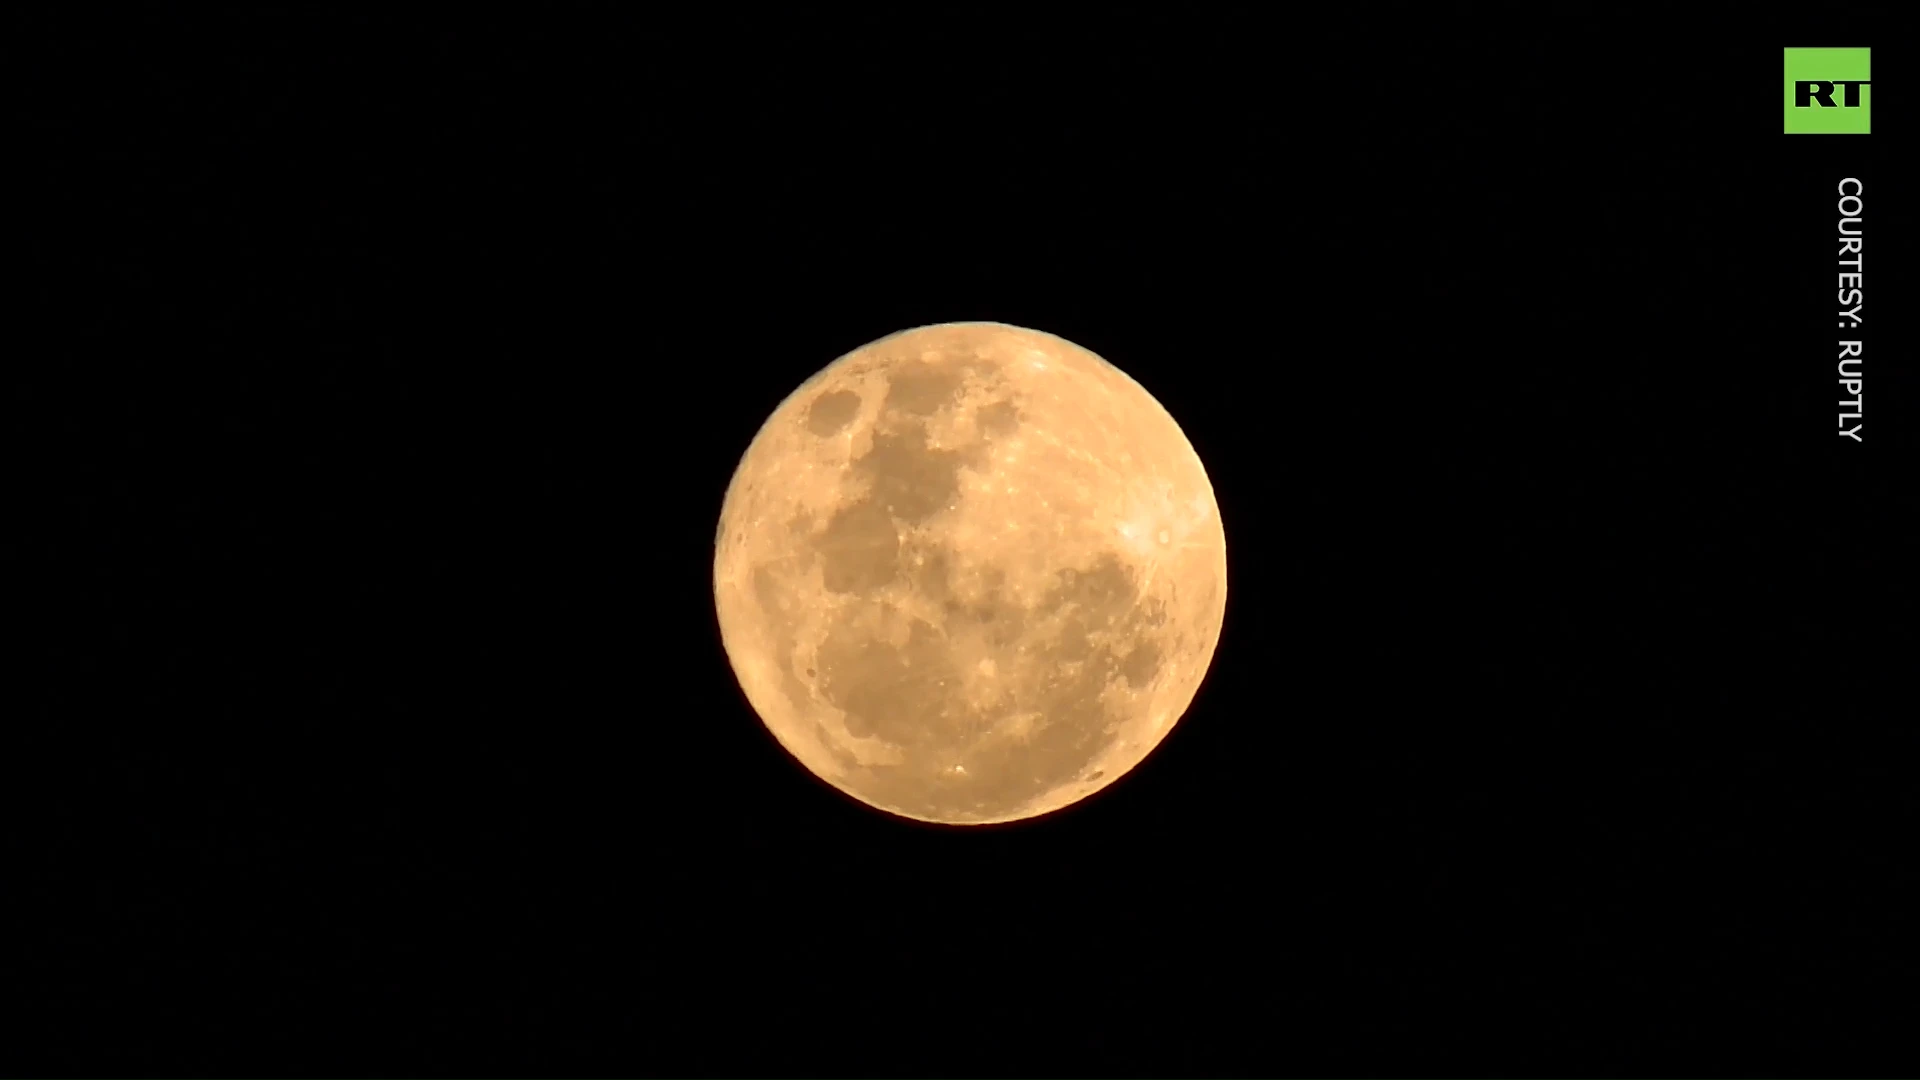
(1806,93)
(1828,92)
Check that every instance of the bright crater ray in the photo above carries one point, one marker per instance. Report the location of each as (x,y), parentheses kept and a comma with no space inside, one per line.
(970,573)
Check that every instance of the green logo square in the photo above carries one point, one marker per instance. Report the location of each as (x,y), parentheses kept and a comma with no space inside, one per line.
(1828,92)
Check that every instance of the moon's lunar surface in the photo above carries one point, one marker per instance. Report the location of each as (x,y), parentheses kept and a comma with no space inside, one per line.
(970,573)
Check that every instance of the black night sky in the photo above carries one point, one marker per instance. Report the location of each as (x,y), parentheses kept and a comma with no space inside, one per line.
(380,376)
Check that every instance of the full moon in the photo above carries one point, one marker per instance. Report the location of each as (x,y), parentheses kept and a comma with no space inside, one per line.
(970,573)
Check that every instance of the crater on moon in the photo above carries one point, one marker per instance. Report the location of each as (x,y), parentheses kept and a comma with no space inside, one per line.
(832,411)
(970,573)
